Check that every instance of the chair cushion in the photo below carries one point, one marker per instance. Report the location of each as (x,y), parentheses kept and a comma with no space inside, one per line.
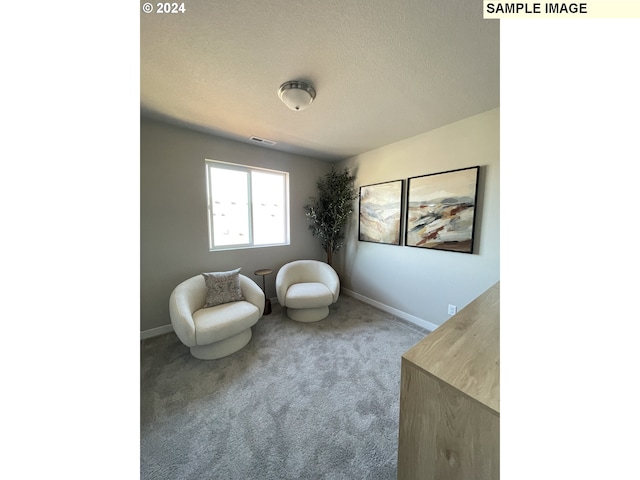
(308,295)
(223,321)
(222,287)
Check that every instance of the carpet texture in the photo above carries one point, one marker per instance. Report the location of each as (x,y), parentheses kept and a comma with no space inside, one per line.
(300,401)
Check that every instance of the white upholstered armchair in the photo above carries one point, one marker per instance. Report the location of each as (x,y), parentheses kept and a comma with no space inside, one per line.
(219,330)
(307,288)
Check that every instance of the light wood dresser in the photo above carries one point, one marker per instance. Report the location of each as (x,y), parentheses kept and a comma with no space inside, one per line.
(450,398)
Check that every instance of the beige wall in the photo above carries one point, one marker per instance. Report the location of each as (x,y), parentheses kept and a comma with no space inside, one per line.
(421,282)
(173,213)
(415,283)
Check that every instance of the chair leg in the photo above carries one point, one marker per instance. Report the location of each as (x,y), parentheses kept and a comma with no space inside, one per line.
(222,348)
(307,315)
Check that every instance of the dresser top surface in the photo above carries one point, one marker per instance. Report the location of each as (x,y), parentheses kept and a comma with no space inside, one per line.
(465,350)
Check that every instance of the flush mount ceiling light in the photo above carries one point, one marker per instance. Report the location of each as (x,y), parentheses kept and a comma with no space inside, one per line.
(296,95)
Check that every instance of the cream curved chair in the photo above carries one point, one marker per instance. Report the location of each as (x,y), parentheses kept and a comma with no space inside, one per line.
(217,331)
(307,288)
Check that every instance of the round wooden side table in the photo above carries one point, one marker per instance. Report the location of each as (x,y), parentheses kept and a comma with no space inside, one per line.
(267,300)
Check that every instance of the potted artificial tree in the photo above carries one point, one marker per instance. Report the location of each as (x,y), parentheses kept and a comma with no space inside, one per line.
(329,212)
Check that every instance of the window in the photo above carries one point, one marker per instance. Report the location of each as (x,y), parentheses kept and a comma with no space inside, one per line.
(247,206)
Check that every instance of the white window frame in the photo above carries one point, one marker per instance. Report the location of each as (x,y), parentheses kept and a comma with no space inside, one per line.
(217,164)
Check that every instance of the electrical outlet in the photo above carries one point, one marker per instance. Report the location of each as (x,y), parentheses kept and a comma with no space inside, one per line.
(452,310)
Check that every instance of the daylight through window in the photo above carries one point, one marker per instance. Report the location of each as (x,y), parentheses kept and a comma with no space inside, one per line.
(247,206)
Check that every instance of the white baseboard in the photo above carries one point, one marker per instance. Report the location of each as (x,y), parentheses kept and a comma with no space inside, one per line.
(154,332)
(393,311)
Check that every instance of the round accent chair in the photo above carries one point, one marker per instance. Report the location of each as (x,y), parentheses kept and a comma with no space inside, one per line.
(307,288)
(221,329)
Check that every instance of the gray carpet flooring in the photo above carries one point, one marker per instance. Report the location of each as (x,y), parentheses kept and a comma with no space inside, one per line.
(300,401)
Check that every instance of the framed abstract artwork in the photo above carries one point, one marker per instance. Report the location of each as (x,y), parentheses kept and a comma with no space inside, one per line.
(441,210)
(381,212)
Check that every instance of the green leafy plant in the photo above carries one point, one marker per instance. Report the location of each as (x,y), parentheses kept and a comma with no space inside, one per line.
(330,210)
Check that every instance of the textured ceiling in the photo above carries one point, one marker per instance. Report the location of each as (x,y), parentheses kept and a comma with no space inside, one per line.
(383,71)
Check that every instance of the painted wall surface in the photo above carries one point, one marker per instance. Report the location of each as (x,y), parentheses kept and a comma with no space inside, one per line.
(423,282)
(173,213)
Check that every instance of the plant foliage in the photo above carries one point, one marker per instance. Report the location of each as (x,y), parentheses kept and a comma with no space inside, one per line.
(330,210)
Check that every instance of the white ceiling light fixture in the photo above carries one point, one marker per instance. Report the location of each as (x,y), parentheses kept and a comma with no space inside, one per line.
(296,95)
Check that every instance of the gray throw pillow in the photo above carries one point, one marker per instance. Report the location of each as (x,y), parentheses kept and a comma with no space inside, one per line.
(222,287)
